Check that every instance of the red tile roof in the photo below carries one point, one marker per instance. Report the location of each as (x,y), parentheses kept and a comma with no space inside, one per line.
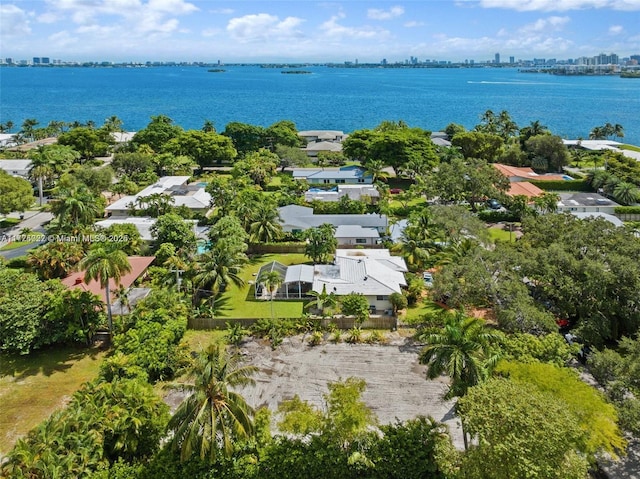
(513,172)
(524,188)
(139,265)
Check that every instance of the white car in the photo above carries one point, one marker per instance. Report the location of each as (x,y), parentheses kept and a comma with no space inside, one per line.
(428,278)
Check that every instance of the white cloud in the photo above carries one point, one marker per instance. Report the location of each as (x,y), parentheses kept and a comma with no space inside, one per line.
(413,24)
(379,14)
(335,30)
(62,39)
(616,29)
(560,5)
(222,11)
(14,21)
(263,27)
(545,24)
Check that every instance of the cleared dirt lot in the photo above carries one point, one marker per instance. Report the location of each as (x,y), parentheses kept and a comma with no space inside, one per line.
(396,384)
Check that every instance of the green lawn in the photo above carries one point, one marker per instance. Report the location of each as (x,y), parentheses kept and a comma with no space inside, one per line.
(33,386)
(413,313)
(199,339)
(240,303)
(629,147)
(8,222)
(498,234)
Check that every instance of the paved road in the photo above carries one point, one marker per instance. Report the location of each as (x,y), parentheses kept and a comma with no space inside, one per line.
(34,220)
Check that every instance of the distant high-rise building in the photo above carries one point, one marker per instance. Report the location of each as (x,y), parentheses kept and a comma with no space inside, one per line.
(497,58)
(36,60)
(45,60)
(512,60)
(384,61)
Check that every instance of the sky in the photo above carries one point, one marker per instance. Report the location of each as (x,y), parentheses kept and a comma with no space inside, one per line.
(316,31)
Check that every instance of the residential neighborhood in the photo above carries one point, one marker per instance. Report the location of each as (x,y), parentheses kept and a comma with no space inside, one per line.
(466,274)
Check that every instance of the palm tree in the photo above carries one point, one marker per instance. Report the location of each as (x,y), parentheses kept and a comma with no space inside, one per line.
(75,206)
(271,280)
(41,169)
(322,301)
(213,416)
(102,264)
(376,169)
(265,227)
(626,193)
(28,127)
(462,350)
(218,268)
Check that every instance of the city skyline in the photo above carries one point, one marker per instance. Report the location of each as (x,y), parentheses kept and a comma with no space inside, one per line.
(285,31)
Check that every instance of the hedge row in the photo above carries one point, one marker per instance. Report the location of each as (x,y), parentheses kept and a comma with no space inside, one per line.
(562,185)
(627,210)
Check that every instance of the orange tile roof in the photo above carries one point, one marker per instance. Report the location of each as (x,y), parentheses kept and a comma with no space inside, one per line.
(511,171)
(524,188)
(139,265)
(524,172)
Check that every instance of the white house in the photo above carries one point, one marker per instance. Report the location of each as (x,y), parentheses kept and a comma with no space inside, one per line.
(312,136)
(585,203)
(192,196)
(295,218)
(143,224)
(354,192)
(327,176)
(373,273)
(16,167)
(356,235)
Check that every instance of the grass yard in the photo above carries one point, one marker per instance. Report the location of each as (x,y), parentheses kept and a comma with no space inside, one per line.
(33,386)
(629,147)
(413,313)
(199,339)
(499,234)
(240,303)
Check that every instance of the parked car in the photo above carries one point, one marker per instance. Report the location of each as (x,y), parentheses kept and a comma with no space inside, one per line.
(428,278)
(494,204)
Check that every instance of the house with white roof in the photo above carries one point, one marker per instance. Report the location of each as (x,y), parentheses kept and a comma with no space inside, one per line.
(326,176)
(373,273)
(192,196)
(296,218)
(16,167)
(143,224)
(311,136)
(356,235)
(312,149)
(353,192)
(586,203)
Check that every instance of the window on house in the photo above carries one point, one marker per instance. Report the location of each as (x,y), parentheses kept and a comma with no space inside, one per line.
(360,180)
(326,181)
(361,240)
(340,181)
(381,298)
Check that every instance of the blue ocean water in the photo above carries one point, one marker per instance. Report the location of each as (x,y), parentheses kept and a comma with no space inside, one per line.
(328,98)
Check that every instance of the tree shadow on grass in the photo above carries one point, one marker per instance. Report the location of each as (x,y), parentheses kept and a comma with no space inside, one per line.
(45,361)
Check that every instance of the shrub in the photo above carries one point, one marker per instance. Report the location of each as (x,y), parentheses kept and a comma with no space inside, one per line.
(562,185)
(354,336)
(315,338)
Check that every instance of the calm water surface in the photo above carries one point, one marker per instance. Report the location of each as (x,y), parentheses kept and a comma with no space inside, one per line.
(328,98)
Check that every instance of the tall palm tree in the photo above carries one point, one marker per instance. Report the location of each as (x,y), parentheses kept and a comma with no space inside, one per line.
(218,268)
(102,264)
(463,350)
(41,169)
(213,416)
(271,281)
